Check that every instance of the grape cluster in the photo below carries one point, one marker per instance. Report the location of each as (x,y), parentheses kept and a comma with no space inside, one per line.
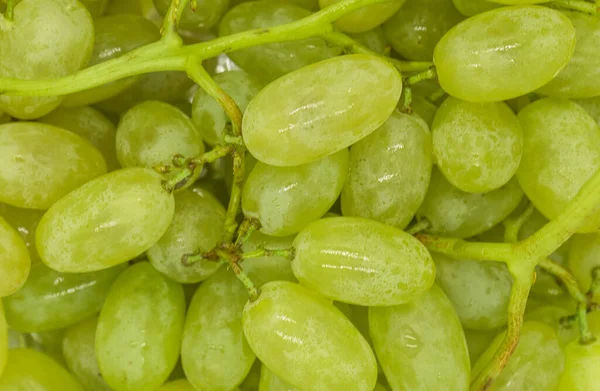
(299,195)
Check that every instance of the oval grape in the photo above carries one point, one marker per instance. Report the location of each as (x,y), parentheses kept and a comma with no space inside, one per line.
(14,260)
(365,18)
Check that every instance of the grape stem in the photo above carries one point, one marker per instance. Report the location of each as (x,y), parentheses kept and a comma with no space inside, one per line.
(9,13)
(578,5)
(247,228)
(512,225)
(595,287)
(586,336)
(419,226)
(566,278)
(436,96)
(171,22)
(263,252)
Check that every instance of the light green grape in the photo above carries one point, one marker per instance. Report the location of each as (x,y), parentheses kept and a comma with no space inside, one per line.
(25,222)
(478,341)
(48,342)
(477,146)
(373,40)
(414,31)
(46,40)
(390,171)
(474,7)
(584,258)
(270,268)
(504,53)
(268,62)
(270,382)
(42,163)
(453,212)
(152,132)
(365,18)
(207,114)
(91,125)
(251,381)
(284,129)
(79,350)
(196,226)
(139,329)
(213,335)
(518,2)
(551,315)
(535,365)
(306,341)
(51,300)
(561,151)
(107,221)
(591,106)
(115,36)
(207,13)
(424,109)
(286,199)
(581,367)
(581,78)
(27,369)
(176,385)
(478,290)
(14,260)
(421,345)
(363,262)
(96,7)
(3,339)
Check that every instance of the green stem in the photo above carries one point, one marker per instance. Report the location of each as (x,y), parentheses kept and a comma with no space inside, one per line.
(247,228)
(595,287)
(567,279)
(512,226)
(577,5)
(263,252)
(406,99)
(411,66)
(171,21)
(585,335)
(436,96)
(419,226)
(9,14)
(461,249)
(348,44)
(239,162)
(428,74)
(243,277)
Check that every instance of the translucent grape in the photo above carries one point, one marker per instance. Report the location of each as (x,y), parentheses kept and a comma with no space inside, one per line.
(207,13)
(52,300)
(283,129)
(504,53)
(551,315)
(176,385)
(107,221)
(286,199)
(213,335)
(268,62)
(561,151)
(478,341)
(583,258)
(360,261)
(46,40)
(474,7)
(365,18)
(452,212)
(139,329)
(270,382)
(414,351)
(373,40)
(306,341)
(25,222)
(390,171)
(14,260)
(3,340)
(477,146)
(581,367)
(591,106)
(196,226)
(48,342)
(42,163)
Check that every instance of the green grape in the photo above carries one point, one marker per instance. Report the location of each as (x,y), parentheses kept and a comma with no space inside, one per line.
(591,106)
(91,125)
(207,13)
(478,341)
(50,343)
(139,329)
(140,7)
(551,315)
(51,300)
(390,171)
(152,132)
(251,381)
(306,341)
(504,53)
(453,212)
(213,335)
(283,129)
(4,118)
(360,261)
(477,146)
(518,2)
(583,257)
(14,260)
(96,7)
(373,40)
(207,114)
(196,226)
(421,345)
(269,268)
(581,367)
(286,199)
(107,221)
(3,339)
(46,40)
(535,365)
(365,18)
(115,36)
(474,7)
(581,78)
(79,350)
(561,152)
(270,382)
(25,222)
(424,109)
(42,163)
(414,31)
(268,62)
(176,385)
(478,290)
(29,370)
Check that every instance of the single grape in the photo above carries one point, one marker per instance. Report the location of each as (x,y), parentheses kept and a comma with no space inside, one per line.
(207,13)
(581,367)
(107,221)
(42,163)
(561,151)
(551,315)
(283,129)
(96,7)
(14,260)
(583,258)
(474,7)
(504,53)
(360,261)
(424,109)
(269,268)
(306,341)
(176,385)
(373,40)
(270,382)
(366,18)
(3,340)
(390,171)
(139,329)
(478,341)
(591,106)
(25,222)
(421,344)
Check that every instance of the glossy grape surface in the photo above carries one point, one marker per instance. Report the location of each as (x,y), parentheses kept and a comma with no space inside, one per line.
(366,18)
(14,260)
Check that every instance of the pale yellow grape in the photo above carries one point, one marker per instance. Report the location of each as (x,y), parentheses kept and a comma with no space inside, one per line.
(551,315)
(270,382)
(214,351)
(47,39)
(365,18)
(14,260)
(583,258)
(421,345)
(326,113)
(107,221)
(25,222)
(561,151)
(306,341)
(581,367)
(363,262)
(474,7)
(42,163)
(390,171)
(504,53)
(286,199)
(176,385)
(3,339)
